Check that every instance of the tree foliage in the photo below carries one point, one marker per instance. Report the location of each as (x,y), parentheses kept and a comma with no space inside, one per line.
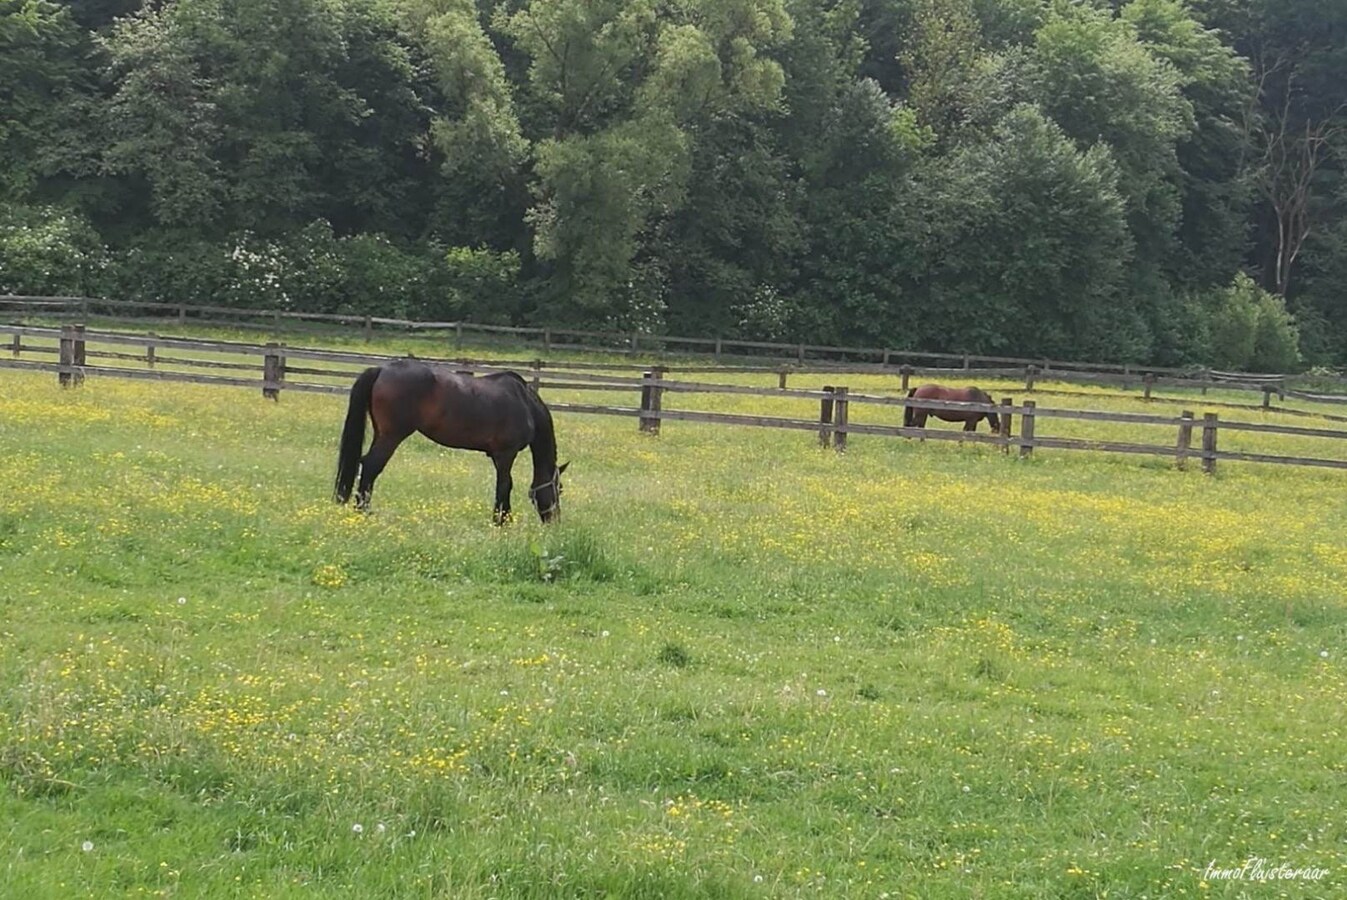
(1079,179)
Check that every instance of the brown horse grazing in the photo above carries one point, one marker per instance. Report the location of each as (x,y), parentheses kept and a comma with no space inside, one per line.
(498,414)
(915,415)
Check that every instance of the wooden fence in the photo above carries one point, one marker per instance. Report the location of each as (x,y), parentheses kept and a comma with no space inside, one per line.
(274,368)
(800,355)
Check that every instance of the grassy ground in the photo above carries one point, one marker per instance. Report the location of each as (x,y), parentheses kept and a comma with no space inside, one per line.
(740,666)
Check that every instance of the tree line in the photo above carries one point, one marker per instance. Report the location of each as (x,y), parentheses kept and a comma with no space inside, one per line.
(1152,180)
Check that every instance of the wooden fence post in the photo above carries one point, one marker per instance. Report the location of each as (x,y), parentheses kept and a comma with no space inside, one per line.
(1004,430)
(17,344)
(651,401)
(1030,371)
(1185,440)
(537,374)
(1209,443)
(781,379)
(825,417)
(547,340)
(273,372)
(149,349)
(1149,380)
(79,355)
(635,338)
(458,335)
(657,399)
(885,363)
(182,314)
(840,420)
(1206,380)
(1267,394)
(369,329)
(799,356)
(72,356)
(906,372)
(966,363)
(717,350)
(1027,430)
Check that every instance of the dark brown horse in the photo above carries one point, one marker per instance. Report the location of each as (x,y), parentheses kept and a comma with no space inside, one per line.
(915,415)
(498,414)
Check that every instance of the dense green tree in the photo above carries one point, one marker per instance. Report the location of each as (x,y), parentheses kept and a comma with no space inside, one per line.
(1215,193)
(1028,247)
(41,50)
(1100,84)
(244,114)
(1297,52)
(1026,176)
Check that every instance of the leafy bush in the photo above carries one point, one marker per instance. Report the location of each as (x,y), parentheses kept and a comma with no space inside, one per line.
(309,270)
(481,285)
(1251,329)
(49,252)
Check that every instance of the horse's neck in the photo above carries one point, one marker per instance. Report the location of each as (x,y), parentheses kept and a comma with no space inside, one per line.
(544,447)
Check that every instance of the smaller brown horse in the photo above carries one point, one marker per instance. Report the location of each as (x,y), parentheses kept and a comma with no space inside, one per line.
(914,416)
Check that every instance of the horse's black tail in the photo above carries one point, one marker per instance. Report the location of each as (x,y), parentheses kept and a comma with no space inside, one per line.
(353,434)
(909,415)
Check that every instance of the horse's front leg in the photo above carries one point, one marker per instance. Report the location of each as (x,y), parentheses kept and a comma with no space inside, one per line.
(504,483)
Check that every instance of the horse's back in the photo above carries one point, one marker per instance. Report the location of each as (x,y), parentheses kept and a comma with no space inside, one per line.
(492,413)
(940,392)
(934,392)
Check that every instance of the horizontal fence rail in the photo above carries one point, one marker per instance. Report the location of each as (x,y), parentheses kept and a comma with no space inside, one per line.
(276,368)
(849,358)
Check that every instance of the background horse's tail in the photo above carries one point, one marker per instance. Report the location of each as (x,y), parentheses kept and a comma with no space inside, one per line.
(909,414)
(353,434)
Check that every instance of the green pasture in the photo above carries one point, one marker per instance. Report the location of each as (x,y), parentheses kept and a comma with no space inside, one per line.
(740,665)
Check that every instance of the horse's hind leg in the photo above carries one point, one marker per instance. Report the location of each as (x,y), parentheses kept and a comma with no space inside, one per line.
(970,425)
(504,484)
(380,452)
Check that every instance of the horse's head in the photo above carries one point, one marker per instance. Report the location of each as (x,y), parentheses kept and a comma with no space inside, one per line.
(992,418)
(547,495)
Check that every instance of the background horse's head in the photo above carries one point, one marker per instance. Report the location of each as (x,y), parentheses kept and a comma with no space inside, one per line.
(547,496)
(983,397)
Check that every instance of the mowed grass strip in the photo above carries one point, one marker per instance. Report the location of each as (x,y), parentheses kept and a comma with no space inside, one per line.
(739,666)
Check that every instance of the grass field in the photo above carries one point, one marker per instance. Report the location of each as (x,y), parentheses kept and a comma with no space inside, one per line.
(740,666)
